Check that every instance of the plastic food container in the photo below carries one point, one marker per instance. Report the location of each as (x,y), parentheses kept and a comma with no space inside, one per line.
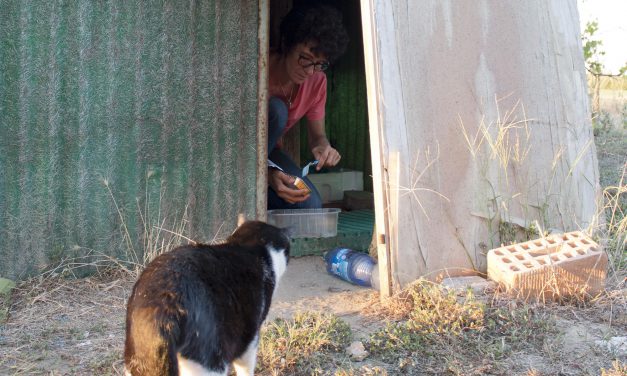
(306,223)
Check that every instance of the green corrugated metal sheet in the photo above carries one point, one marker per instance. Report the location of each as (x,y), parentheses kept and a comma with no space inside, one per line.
(114,114)
(346,111)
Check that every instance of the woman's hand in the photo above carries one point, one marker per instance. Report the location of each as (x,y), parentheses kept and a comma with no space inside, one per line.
(320,146)
(283,185)
(326,155)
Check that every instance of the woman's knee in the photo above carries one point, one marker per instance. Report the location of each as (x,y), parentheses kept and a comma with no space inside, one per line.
(277,112)
(313,202)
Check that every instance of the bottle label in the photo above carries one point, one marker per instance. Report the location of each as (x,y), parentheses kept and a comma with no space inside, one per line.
(339,264)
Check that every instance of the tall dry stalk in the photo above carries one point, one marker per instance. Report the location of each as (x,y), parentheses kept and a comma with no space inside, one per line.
(499,147)
(614,233)
(416,183)
(155,236)
(502,137)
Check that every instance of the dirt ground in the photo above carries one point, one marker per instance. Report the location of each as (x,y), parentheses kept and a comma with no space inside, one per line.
(76,327)
(307,286)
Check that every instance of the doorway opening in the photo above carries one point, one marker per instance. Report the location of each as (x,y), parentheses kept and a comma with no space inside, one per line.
(348,185)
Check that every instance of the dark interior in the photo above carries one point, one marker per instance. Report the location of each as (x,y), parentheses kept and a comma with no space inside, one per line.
(347,129)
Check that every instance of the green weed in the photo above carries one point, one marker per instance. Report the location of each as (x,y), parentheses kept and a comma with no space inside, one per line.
(301,345)
(460,329)
(611,148)
(601,123)
(6,288)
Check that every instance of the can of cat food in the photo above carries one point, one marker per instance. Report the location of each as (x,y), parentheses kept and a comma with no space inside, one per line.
(300,184)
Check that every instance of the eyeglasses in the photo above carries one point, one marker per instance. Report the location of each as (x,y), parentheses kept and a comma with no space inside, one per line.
(318,67)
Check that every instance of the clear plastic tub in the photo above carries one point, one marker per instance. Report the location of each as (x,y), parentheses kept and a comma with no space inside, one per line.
(306,223)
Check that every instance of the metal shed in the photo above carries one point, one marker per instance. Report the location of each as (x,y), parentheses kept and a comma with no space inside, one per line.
(118,118)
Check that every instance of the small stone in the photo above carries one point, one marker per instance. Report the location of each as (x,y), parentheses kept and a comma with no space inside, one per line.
(478,284)
(357,352)
(405,363)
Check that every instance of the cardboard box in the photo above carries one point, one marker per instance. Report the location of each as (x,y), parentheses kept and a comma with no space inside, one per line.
(332,185)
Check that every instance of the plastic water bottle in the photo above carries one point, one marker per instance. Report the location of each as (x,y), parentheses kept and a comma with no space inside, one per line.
(352,266)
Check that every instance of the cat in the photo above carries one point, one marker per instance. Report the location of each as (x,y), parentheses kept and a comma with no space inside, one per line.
(198,309)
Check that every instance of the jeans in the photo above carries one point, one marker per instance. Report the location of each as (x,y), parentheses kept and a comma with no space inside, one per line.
(277,120)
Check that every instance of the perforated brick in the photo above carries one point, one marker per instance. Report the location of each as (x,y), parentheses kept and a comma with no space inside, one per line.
(546,268)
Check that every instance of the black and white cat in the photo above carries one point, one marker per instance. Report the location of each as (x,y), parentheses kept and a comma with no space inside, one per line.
(198,309)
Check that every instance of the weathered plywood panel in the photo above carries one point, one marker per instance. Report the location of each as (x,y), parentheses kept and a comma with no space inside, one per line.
(119,118)
(485,122)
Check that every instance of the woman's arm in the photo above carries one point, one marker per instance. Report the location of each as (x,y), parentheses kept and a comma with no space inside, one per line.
(283,185)
(320,146)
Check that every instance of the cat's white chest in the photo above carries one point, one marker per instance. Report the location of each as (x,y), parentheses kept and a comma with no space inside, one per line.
(279,263)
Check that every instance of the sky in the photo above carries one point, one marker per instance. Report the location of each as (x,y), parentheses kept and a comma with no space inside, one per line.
(612,18)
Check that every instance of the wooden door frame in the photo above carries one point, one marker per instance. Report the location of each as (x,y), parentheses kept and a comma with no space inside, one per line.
(375,121)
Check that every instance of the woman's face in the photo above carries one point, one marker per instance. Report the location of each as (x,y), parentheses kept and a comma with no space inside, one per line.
(301,62)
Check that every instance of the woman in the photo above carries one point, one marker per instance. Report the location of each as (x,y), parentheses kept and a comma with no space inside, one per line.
(310,38)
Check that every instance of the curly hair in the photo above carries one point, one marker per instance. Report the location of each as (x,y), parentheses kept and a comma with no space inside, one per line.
(320,24)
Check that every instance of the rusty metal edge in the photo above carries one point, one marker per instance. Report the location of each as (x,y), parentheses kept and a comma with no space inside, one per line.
(263,34)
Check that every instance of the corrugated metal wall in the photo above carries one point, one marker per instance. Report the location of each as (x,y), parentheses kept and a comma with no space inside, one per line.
(117,118)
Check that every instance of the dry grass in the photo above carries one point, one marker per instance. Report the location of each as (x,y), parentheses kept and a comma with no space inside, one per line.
(614,233)
(609,83)
(610,133)
(416,185)
(301,345)
(618,369)
(61,326)
(160,233)
(449,332)
(395,308)
(436,331)
(504,137)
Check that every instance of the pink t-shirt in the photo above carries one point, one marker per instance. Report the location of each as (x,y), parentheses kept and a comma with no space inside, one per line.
(309,101)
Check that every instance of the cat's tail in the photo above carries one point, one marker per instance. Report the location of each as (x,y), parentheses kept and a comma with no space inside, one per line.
(150,344)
